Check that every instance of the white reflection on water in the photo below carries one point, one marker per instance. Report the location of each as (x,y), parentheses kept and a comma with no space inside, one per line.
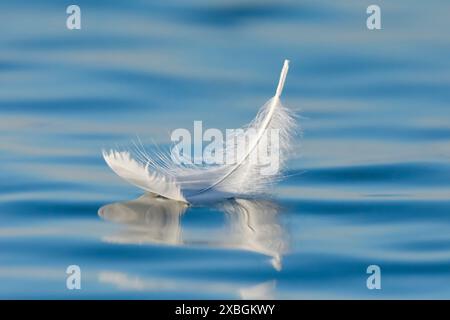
(126,282)
(147,220)
(252,225)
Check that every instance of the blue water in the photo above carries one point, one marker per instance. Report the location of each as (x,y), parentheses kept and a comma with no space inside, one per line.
(369,182)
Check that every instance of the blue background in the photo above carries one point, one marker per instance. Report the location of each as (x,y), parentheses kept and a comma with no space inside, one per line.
(369,179)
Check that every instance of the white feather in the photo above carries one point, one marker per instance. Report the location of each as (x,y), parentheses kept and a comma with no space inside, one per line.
(159,175)
(136,173)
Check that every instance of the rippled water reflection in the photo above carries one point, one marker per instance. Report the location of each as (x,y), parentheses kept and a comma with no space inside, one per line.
(251,225)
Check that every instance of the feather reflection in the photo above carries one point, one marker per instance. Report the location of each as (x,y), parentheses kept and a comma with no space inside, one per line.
(252,225)
(147,219)
(255,227)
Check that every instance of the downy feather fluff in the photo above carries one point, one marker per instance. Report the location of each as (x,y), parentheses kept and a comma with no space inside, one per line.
(192,183)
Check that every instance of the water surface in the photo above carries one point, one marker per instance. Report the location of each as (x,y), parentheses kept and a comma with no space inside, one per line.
(368,183)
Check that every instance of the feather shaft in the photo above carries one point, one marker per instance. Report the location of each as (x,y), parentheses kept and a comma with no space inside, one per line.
(261,131)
